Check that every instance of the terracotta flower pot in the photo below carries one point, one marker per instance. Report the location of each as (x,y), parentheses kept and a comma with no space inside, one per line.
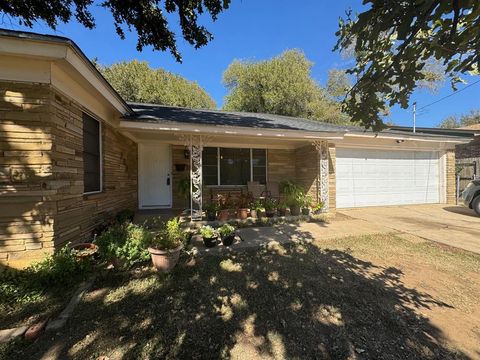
(282,211)
(84,250)
(165,260)
(242,213)
(223,215)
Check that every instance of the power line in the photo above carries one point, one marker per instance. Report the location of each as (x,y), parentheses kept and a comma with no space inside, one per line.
(446,97)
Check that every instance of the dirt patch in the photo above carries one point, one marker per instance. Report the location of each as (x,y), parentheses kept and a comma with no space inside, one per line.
(379,296)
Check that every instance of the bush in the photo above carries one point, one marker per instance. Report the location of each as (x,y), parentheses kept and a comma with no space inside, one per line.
(127,242)
(59,270)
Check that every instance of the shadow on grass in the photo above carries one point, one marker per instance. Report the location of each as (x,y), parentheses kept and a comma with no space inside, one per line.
(295,301)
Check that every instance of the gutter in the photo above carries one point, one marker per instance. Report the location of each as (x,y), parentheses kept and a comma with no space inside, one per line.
(230,130)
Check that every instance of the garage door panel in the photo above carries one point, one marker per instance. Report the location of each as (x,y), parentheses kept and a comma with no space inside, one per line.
(370,177)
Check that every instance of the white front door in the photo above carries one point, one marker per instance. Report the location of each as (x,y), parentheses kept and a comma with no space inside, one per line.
(370,177)
(154,176)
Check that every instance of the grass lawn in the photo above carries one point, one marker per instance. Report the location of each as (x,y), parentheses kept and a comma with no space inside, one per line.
(382,296)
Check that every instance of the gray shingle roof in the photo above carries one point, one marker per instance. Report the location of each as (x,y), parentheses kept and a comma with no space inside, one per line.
(160,113)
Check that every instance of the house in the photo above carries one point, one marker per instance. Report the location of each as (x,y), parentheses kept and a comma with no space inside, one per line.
(72,152)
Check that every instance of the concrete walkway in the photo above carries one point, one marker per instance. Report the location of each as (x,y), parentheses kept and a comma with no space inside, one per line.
(254,237)
(451,225)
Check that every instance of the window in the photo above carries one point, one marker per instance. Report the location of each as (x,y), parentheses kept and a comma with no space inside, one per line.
(92,155)
(233,166)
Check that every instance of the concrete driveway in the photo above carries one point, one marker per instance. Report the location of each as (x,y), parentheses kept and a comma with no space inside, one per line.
(451,225)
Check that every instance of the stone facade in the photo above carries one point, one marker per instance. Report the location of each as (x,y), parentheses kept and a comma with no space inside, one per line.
(450,178)
(41,176)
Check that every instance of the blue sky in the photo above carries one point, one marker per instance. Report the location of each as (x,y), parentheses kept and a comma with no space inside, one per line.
(256,30)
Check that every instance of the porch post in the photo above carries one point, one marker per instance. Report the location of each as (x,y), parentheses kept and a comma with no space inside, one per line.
(322,149)
(195,145)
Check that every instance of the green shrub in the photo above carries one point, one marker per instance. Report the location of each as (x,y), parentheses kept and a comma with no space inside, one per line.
(59,270)
(170,235)
(127,242)
(226,229)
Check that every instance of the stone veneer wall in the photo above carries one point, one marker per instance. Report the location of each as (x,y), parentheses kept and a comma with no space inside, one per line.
(41,174)
(450,177)
(307,170)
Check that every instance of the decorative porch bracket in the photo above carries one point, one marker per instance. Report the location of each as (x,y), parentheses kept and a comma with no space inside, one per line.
(195,144)
(322,149)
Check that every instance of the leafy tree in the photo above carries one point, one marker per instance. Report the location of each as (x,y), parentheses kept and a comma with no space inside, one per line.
(136,81)
(282,85)
(453,121)
(146,17)
(393,43)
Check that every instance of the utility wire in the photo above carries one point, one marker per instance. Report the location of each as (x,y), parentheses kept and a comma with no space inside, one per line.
(446,97)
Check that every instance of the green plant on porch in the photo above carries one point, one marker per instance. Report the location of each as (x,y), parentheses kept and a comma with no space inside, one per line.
(318,207)
(208,232)
(165,246)
(183,188)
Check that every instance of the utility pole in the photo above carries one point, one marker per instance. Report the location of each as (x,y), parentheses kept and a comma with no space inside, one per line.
(414,116)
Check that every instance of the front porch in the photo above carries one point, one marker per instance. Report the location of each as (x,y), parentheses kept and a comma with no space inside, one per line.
(189,171)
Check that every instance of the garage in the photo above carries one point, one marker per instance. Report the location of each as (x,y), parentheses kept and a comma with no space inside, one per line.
(375,177)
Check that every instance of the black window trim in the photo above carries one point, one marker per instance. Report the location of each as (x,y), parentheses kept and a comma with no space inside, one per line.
(251,165)
(100,147)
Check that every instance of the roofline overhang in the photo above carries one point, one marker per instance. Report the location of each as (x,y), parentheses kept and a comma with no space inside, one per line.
(407,137)
(62,49)
(230,130)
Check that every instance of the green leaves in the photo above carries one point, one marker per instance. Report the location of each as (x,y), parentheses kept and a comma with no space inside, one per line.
(282,85)
(136,81)
(396,44)
(146,17)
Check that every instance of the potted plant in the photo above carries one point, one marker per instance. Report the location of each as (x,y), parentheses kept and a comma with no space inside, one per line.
(209,236)
(270,207)
(166,245)
(242,211)
(282,208)
(211,211)
(317,209)
(227,234)
(306,201)
(183,189)
(294,195)
(224,207)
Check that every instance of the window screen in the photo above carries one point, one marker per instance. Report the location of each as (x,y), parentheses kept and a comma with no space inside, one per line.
(91,155)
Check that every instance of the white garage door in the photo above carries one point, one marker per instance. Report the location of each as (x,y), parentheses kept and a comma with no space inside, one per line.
(386,177)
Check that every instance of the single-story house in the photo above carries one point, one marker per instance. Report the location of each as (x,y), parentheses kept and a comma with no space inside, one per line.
(72,151)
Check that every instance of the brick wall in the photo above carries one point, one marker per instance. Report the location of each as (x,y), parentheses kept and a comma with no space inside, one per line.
(280,164)
(41,176)
(450,177)
(178,157)
(307,170)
